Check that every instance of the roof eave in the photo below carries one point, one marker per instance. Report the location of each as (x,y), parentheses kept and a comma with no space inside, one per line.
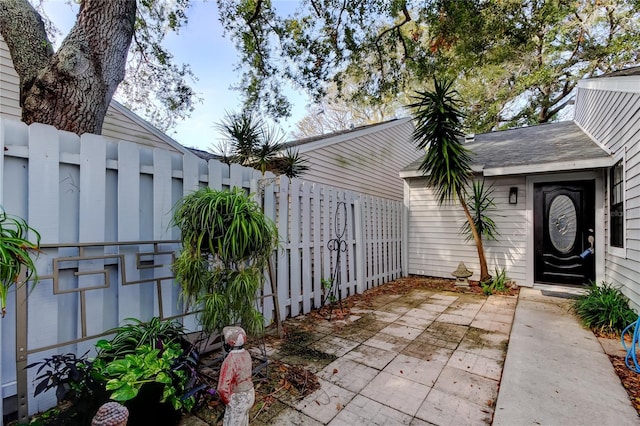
(558,166)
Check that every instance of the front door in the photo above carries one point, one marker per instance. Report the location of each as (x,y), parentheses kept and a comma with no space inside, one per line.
(564,222)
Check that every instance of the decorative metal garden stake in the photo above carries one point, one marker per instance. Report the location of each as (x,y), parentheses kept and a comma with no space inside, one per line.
(339,245)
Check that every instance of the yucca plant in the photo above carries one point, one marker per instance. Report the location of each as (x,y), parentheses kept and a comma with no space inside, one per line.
(15,254)
(480,202)
(438,117)
(226,243)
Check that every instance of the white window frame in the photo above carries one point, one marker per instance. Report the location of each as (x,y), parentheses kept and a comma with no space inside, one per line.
(618,251)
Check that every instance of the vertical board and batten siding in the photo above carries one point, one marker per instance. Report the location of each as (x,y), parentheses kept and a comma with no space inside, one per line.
(369,163)
(436,246)
(612,118)
(90,189)
(116,124)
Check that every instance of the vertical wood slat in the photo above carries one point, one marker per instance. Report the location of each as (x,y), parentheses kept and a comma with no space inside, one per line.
(269,206)
(130,296)
(43,215)
(317,246)
(215,174)
(235,176)
(295,277)
(284,299)
(326,232)
(162,204)
(341,223)
(359,242)
(305,224)
(190,184)
(92,222)
(349,260)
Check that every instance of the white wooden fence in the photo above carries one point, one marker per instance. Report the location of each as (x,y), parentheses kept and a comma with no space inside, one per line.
(103,209)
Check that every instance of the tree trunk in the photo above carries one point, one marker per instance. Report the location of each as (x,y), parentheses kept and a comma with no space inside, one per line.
(484,271)
(72,88)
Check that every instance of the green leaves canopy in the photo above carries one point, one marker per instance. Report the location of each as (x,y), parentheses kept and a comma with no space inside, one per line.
(515,61)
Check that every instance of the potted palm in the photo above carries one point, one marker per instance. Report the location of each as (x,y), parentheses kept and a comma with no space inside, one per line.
(226,243)
(15,254)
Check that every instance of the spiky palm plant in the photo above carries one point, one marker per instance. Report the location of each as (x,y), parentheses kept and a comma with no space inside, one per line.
(226,243)
(15,254)
(248,140)
(480,202)
(447,163)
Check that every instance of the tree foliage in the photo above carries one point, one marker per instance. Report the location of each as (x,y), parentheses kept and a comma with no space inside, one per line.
(334,114)
(515,61)
(71,88)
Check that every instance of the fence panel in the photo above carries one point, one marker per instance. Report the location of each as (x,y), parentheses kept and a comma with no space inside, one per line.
(104,208)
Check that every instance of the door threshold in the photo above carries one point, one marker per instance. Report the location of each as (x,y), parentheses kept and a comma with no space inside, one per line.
(560,290)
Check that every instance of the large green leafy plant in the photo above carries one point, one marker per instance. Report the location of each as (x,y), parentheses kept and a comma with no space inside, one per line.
(605,309)
(150,367)
(15,254)
(226,243)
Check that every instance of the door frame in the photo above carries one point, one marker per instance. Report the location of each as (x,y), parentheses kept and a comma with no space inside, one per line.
(598,178)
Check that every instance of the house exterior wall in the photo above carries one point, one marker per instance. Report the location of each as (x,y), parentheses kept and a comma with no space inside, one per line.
(608,109)
(435,245)
(367,163)
(116,124)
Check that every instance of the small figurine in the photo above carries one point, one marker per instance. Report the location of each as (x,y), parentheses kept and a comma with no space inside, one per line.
(111,414)
(235,386)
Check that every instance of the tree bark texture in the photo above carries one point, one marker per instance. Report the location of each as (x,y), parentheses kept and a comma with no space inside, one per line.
(484,270)
(70,89)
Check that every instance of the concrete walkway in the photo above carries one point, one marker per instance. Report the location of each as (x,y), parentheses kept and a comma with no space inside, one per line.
(556,372)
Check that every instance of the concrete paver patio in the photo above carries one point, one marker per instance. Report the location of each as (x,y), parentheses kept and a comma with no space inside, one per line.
(426,357)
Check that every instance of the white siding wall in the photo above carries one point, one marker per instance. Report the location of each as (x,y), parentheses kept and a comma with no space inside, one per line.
(116,125)
(435,245)
(369,164)
(613,119)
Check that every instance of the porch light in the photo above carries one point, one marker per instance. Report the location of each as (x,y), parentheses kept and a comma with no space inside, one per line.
(513,195)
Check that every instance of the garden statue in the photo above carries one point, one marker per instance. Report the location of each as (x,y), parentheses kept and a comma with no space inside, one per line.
(235,386)
(111,414)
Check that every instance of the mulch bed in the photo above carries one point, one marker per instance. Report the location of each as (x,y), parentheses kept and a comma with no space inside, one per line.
(630,380)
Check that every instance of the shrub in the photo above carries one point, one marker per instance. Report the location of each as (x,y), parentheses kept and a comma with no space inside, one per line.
(497,284)
(604,309)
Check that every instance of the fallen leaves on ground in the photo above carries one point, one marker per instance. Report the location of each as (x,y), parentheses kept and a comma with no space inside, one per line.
(630,380)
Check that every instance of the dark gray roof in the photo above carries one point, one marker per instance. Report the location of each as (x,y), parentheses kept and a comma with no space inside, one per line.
(205,155)
(533,145)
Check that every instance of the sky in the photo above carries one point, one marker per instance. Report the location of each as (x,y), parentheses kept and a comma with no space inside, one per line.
(212,58)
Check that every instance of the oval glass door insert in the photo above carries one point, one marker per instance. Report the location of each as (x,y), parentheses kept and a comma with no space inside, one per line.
(562,223)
